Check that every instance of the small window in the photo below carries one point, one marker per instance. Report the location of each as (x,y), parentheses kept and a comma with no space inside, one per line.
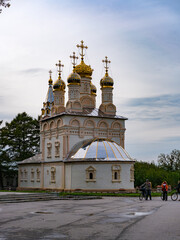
(25,175)
(90,174)
(57,148)
(116,173)
(32,175)
(38,175)
(53,175)
(49,148)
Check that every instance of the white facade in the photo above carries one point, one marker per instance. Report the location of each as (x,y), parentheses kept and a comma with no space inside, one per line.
(63,128)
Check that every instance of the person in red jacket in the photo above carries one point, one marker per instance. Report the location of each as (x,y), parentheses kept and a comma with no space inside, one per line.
(164,187)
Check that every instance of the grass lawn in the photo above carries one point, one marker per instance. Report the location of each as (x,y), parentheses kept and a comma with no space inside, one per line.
(154,194)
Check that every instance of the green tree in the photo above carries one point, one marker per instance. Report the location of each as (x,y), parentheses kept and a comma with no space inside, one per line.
(19,140)
(4,3)
(170,162)
(156,174)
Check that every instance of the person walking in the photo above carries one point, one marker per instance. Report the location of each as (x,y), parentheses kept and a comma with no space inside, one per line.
(164,187)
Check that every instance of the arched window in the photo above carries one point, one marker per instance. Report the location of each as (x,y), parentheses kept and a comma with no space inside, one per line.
(25,175)
(53,174)
(57,147)
(116,173)
(49,148)
(90,174)
(32,175)
(38,175)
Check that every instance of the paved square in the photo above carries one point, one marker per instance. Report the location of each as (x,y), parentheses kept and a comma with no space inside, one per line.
(107,218)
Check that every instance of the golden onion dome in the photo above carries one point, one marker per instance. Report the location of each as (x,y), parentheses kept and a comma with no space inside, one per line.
(50,81)
(74,79)
(107,81)
(83,70)
(59,85)
(93,89)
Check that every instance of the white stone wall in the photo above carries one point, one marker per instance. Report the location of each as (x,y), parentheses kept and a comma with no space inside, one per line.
(28,181)
(53,140)
(48,183)
(68,176)
(103,176)
(76,129)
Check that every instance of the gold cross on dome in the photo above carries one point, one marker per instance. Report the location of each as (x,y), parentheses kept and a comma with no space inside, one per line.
(82,46)
(106,61)
(74,58)
(59,65)
(50,79)
(50,72)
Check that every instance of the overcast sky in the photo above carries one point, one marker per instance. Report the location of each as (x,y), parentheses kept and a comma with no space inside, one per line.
(142,40)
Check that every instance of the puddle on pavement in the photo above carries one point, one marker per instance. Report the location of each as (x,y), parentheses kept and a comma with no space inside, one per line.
(41,212)
(2,238)
(123,217)
(54,236)
(138,214)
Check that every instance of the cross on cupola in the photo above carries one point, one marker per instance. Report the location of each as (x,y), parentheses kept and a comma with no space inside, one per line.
(60,66)
(106,61)
(50,72)
(74,58)
(82,46)
(50,79)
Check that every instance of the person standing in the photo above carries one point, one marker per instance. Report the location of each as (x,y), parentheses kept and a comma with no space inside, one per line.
(164,187)
(147,185)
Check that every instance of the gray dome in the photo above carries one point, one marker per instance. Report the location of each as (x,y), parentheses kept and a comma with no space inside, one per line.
(99,149)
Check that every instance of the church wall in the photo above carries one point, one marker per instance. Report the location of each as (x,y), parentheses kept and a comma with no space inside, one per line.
(75,129)
(50,148)
(103,179)
(68,178)
(53,176)
(82,128)
(29,176)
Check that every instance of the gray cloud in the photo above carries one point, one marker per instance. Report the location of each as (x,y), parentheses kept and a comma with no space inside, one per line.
(33,71)
(160,108)
(168,100)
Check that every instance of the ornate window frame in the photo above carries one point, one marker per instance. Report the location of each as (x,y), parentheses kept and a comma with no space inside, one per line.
(57,149)
(38,172)
(49,150)
(25,175)
(32,175)
(53,175)
(116,173)
(90,174)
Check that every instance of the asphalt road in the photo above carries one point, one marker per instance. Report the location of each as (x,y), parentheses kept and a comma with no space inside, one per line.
(109,218)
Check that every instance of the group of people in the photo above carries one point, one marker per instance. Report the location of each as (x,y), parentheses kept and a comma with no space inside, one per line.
(147,186)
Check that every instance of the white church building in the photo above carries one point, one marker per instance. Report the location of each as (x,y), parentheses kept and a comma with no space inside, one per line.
(82,147)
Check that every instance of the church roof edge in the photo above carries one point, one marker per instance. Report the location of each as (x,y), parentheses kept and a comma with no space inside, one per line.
(87,113)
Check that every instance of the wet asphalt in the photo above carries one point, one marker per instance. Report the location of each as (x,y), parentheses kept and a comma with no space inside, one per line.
(109,218)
